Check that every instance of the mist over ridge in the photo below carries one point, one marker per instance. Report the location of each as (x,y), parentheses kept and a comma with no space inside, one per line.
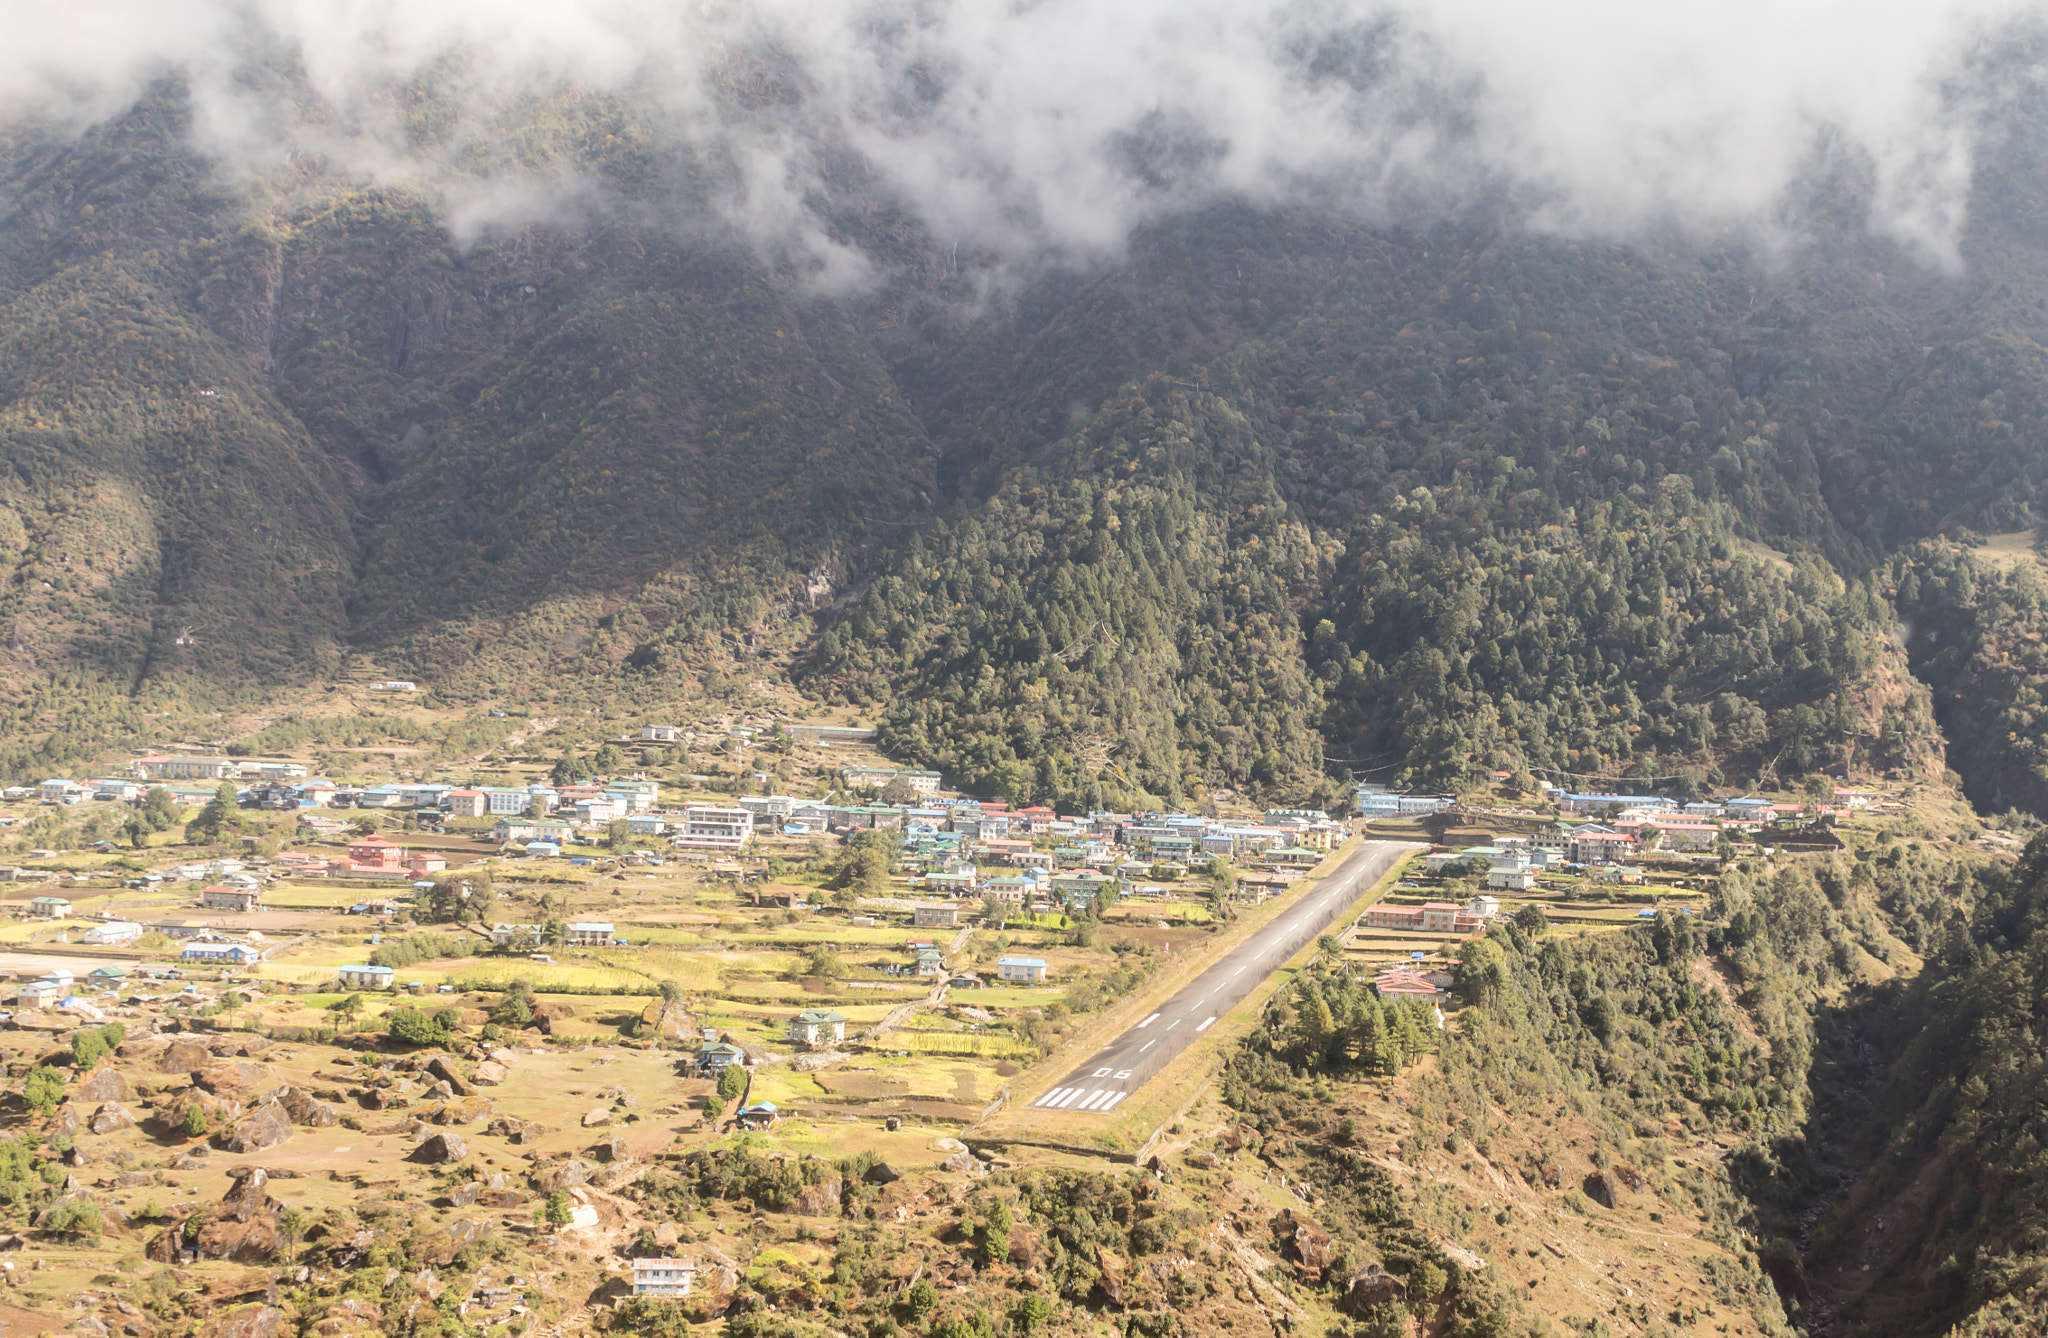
(1048,131)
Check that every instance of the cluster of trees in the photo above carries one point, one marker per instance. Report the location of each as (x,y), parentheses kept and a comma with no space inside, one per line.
(1334,1022)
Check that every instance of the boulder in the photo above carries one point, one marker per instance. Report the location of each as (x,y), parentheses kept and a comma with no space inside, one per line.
(1552,1173)
(243,1226)
(442,1147)
(102,1084)
(892,1123)
(596,1119)
(1372,1286)
(1026,1247)
(464,1196)
(441,1067)
(882,1173)
(265,1126)
(1630,1177)
(253,1044)
(110,1118)
(948,1145)
(68,1118)
(183,1055)
(465,1110)
(303,1109)
(231,1077)
(1207,1161)
(489,1073)
(515,1129)
(569,1173)
(964,1161)
(1303,1242)
(610,1150)
(1238,1137)
(244,1321)
(133,1179)
(1110,1274)
(501,1198)
(1602,1188)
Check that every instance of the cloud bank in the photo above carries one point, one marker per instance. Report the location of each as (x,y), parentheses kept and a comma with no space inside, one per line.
(1036,129)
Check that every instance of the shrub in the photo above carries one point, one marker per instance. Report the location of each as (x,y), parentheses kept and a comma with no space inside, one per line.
(77,1218)
(409,1026)
(43,1090)
(732,1081)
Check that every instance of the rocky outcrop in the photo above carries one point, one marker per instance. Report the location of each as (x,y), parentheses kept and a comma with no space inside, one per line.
(350,1315)
(464,1110)
(1372,1286)
(964,1161)
(442,1250)
(882,1173)
(1603,1189)
(821,1199)
(303,1109)
(265,1126)
(569,1173)
(245,1321)
(243,1226)
(610,1150)
(1303,1243)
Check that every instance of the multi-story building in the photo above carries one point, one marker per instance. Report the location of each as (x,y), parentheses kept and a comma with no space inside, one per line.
(710,827)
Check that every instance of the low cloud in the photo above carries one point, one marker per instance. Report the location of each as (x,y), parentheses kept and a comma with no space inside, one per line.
(1046,130)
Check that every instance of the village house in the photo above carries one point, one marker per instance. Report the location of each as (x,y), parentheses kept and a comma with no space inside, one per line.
(936,917)
(714,827)
(761,1115)
(234,954)
(531,829)
(158,767)
(663,1277)
(1403,982)
(588,933)
(718,1056)
(815,1028)
(878,778)
(374,854)
(1020,970)
(929,962)
(367,977)
(221,897)
(660,733)
(49,908)
(468,803)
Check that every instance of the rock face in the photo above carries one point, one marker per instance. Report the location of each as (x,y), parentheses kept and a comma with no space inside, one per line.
(1303,1242)
(1372,1286)
(265,1126)
(1110,1274)
(103,1084)
(442,1147)
(596,1119)
(1602,1189)
(442,1068)
(821,1199)
(109,1118)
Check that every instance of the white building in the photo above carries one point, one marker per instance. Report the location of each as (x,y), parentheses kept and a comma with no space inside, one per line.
(113,931)
(708,827)
(589,932)
(660,734)
(663,1277)
(367,977)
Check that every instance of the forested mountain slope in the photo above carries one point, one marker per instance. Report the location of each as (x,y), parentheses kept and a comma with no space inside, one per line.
(1278,494)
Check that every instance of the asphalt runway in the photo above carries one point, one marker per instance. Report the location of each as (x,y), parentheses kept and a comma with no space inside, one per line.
(1127,1063)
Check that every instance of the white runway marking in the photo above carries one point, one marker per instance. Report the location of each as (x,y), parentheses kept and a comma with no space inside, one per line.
(1205,1025)
(1148,1021)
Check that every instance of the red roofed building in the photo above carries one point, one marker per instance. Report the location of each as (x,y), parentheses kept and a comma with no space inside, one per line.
(374,854)
(469,803)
